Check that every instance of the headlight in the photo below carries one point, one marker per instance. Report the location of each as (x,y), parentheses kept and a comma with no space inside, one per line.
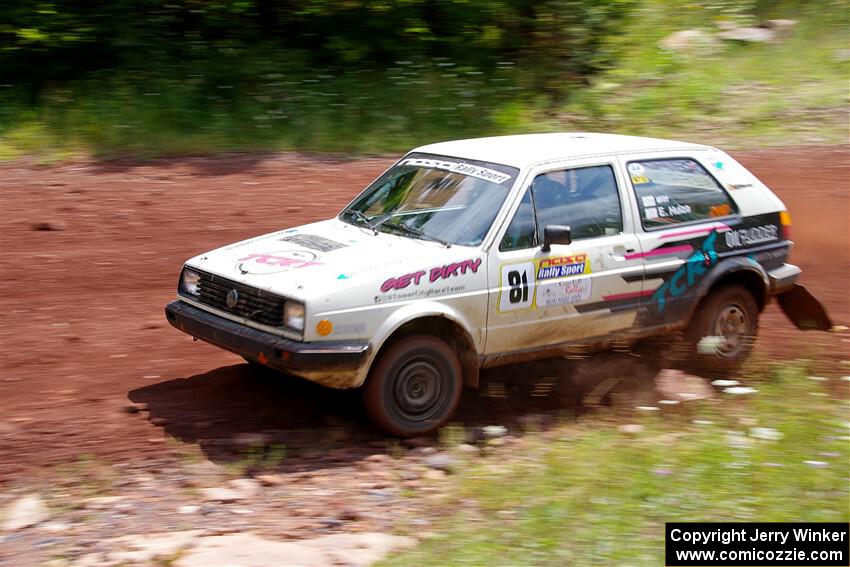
(190,282)
(293,315)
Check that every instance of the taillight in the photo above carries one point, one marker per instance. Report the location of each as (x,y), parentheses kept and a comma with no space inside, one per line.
(785,221)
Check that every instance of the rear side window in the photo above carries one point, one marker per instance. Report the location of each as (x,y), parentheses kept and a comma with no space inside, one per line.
(672,191)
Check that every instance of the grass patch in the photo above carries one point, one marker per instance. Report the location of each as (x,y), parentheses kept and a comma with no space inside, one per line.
(590,495)
(792,91)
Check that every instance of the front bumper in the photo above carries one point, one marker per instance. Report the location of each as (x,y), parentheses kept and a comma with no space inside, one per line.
(301,359)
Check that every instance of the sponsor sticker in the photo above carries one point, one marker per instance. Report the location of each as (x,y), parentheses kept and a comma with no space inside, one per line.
(751,236)
(563,266)
(314,242)
(681,178)
(522,282)
(720,210)
(563,292)
(457,167)
(276,262)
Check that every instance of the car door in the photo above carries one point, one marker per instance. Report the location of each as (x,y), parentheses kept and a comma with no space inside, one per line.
(588,288)
(684,215)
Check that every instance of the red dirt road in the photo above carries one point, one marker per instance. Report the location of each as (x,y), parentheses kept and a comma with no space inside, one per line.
(83,331)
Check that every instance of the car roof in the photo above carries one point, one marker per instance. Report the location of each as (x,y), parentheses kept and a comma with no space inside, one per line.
(529,149)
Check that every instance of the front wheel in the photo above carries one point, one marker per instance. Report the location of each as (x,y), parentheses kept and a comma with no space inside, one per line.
(723,331)
(414,386)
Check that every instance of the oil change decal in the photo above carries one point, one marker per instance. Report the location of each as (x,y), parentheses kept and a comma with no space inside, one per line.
(563,292)
(276,262)
(463,168)
(692,271)
(314,242)
(445,271)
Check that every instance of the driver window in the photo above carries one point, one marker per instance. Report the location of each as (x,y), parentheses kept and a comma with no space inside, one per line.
(585,199)
(520,233)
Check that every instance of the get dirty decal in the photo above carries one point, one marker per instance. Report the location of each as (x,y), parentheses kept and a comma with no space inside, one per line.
(391,288)
(547,282)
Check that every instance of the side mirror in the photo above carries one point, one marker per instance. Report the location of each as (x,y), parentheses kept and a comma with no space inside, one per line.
(556,234)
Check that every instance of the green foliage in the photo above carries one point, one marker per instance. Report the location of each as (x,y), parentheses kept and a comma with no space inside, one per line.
(588,494)
(64,39)
(147,78)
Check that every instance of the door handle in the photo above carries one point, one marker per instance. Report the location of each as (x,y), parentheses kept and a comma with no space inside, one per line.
(619,253)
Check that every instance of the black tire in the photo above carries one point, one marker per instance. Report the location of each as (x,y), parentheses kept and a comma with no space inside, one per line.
(730,312)
(414,387)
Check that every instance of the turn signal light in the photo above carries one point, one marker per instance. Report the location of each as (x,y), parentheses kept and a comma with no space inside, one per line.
(324,327)
(785,221)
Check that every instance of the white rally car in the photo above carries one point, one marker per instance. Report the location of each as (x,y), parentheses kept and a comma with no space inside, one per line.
(475,253)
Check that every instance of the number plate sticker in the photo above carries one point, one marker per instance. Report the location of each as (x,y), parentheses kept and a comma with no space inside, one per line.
(517,286)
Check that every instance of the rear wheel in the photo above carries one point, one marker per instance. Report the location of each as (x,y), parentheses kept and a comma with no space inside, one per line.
(723,331)
(414,386)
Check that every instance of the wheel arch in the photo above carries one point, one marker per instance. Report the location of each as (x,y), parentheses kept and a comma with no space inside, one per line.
(735,271)
(441,323)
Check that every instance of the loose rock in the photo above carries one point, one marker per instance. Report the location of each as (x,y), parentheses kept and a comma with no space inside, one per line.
(26,511)
(493,431)
(248,550)
(249,440)
(434,474)
(696,41)
(271,479)
(748,35)
(440,461)
(468,449)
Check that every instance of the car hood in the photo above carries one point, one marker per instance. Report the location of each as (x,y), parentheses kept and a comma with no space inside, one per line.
(328,257)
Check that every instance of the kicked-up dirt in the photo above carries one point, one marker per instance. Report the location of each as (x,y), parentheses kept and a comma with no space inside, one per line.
(91,253)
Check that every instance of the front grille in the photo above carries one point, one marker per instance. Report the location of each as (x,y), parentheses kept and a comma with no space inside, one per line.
(254,304)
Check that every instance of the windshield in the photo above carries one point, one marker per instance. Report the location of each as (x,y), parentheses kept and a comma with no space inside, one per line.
(445,199)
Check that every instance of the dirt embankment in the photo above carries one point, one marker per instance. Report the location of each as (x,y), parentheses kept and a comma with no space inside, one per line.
(83,332)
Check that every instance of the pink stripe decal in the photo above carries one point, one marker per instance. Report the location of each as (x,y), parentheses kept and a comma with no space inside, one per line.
(629,295)
(660,252)
(704,229)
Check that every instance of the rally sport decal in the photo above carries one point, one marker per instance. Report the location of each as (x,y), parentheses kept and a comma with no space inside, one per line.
(548,282)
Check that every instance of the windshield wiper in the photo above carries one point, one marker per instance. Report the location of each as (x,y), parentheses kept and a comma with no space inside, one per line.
(416,232)
(360,216)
